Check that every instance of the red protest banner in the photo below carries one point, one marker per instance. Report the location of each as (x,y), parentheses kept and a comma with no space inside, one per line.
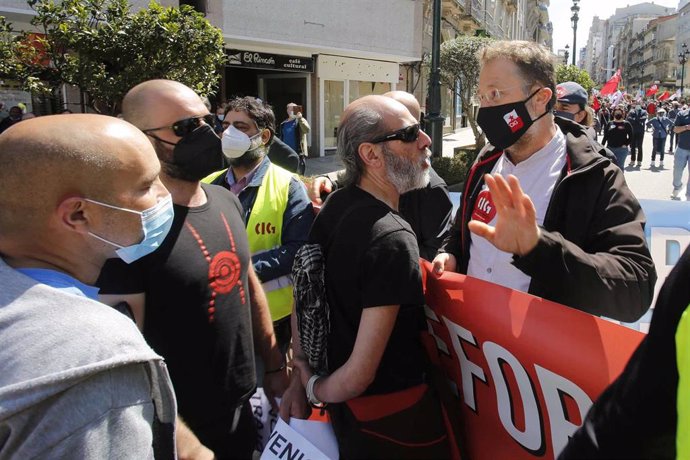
(526,370)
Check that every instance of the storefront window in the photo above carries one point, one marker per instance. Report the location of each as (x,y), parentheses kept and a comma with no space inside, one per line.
(333,92)
(365,88)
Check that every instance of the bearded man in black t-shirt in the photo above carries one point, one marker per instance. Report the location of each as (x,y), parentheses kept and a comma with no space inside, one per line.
(374,291)
(197,299)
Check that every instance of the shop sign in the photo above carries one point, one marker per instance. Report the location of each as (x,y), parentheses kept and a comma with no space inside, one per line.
(255,60)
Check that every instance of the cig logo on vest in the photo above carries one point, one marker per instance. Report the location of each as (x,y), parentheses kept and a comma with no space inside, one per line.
(264,228)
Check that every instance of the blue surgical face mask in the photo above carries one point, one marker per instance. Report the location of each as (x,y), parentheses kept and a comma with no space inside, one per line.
(155,223)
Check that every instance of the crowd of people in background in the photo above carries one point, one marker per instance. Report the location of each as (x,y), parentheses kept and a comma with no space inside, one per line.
(623,125)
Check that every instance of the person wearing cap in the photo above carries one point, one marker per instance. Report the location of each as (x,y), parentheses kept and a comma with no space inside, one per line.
(661,125)
(571,103)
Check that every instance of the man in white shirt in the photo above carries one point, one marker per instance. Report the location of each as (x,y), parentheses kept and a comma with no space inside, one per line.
(542,210)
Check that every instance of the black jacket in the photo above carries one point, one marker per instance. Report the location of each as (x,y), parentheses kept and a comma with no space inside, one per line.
(282,155)
(638,120)
(637,415)
(592,253)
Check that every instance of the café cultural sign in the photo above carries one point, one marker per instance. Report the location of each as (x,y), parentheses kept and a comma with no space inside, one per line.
(255,60)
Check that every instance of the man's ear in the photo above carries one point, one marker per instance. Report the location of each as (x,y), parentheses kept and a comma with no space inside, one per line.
(72,213)
(542,99)
(266,136)
(370,155)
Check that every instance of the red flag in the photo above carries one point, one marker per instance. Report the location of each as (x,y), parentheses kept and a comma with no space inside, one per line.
(611,86)
(595,103)
(652,91)
(664,96)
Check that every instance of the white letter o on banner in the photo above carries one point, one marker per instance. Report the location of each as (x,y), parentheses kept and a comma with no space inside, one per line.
(531,438)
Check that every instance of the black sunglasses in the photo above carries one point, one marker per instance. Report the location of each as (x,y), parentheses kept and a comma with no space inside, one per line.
(406,134)
(183,127)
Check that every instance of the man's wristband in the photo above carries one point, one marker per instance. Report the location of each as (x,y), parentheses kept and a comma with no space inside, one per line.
(311,397)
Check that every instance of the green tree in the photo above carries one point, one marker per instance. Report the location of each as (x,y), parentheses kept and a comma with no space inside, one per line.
(104,48)
(460,62)
(17,58)
(573,73)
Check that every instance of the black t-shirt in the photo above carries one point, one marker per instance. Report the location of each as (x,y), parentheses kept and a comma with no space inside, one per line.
(197,308)
(429,212)
(617,134)
(372,260)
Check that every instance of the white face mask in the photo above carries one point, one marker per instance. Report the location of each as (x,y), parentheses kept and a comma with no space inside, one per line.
(236,143)
(221,116)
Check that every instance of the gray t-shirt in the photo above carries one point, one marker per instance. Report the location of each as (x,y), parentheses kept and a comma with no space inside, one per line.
(77,379)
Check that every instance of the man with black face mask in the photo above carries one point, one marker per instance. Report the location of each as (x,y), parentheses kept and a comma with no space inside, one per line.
(542,210)
(197,299)
(277,211)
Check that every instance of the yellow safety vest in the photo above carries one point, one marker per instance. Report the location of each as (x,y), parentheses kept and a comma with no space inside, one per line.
(265,229)
(683,395)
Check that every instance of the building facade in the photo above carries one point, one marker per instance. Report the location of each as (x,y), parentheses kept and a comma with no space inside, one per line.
(610,57)
(324,55)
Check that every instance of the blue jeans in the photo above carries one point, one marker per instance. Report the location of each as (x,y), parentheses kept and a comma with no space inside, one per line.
(680,160)
(621,153)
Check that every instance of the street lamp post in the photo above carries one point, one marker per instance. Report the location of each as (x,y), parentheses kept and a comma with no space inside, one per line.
(434,117)
(565,55)
(574,18)
(682,59)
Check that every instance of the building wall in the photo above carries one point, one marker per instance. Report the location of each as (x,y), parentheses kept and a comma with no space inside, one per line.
(613,27)
(351,28)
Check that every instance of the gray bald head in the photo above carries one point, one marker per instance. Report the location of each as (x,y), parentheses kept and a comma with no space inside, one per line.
(408,100)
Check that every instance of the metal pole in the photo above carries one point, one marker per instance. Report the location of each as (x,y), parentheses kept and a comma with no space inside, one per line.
(574,40)
(435,118)
(682,75)
(575,9)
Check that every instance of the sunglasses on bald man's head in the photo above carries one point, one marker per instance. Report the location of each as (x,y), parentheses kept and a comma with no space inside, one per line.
(406,134)
(183,127)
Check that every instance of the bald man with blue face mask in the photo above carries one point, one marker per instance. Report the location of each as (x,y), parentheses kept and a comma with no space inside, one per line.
(96,195)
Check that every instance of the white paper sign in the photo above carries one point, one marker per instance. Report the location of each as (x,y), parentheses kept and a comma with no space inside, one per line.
(320,434)
(286,443)
(264,417)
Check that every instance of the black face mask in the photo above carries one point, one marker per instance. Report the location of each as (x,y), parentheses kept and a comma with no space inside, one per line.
(567,115)
(196,155)
(505,124)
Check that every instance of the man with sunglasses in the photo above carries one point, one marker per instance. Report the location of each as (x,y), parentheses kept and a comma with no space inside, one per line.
(428,210)
(197,299)
(543,211)
(373,285)
(277,212)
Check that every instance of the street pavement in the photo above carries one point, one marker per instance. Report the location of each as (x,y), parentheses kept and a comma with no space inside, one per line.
(645,182)
(652,183)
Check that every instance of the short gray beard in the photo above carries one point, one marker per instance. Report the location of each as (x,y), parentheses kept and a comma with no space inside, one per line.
(403,174)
